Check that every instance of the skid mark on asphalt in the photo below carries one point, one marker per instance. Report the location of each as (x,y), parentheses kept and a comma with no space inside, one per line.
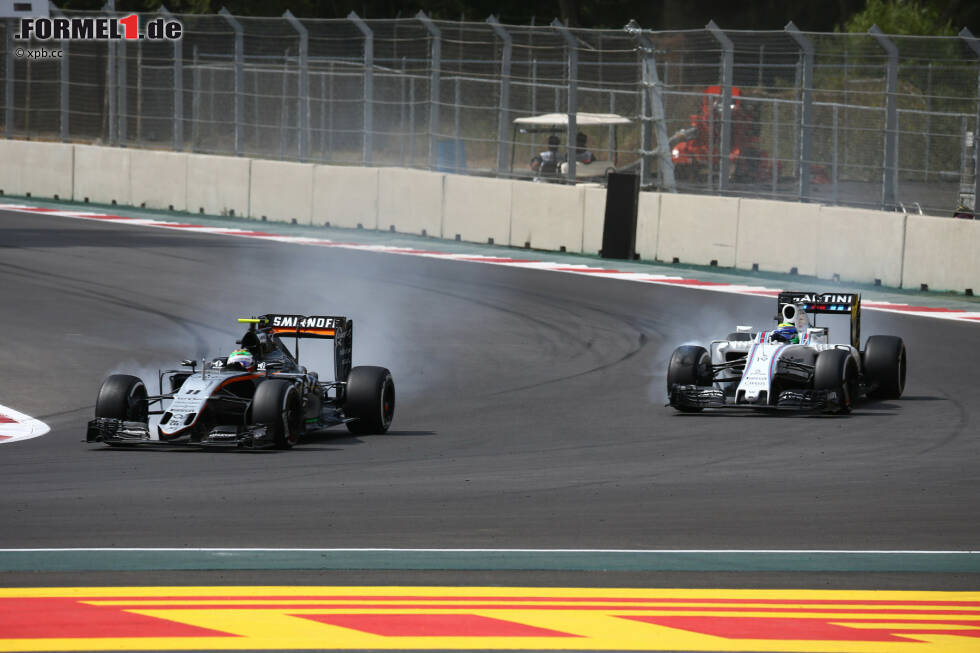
(486,618)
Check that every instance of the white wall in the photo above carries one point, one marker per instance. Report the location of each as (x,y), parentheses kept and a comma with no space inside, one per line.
(770,235)
(37,169)
(345,196)
(281,191)
(101,175)
(943,253)
(859,245)
(855,244)
(218,185)
(158,180)
(548,216)
(698,229)
(410,201)
(477,209)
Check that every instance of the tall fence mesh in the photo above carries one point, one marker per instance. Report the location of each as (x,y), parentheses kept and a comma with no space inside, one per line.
(438,94)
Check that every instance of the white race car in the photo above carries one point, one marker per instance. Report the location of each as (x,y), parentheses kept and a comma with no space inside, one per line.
(792,367)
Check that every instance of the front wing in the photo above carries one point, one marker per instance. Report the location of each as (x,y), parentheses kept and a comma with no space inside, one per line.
(119,432)
(694,396)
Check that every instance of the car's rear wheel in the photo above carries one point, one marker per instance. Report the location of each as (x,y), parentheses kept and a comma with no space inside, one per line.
(836,371)
(885,366)
(689,365)
(123,397)
(370,400)
(278,406)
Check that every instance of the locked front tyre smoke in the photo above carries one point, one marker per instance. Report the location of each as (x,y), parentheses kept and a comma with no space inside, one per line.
(370,400)
(836,371)
(277,404)
(689,365)
(123,397)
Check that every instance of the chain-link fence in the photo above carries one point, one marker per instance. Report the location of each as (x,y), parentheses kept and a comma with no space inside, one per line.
(857,119)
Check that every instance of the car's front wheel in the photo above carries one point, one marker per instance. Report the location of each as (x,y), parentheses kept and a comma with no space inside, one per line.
(689,365)
(278,406)
(836,371)
(123,397)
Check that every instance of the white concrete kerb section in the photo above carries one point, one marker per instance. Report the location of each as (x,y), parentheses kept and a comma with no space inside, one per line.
(15,426)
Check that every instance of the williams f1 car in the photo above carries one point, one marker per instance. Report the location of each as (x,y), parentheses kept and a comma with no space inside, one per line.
(792,367)
(260,397)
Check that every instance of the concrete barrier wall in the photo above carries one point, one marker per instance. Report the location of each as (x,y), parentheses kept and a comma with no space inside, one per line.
(942,253)
(855,244)
(281,191)
(858,244)
(158,180)
(771,235)
(345,196)
(218,185)
(477,209)
(547,216)
(410,201)
(101,175)
(648,225)
(37,169)
(594,219)
(697,229)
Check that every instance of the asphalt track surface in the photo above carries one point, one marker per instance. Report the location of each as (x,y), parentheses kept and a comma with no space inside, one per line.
(530,415)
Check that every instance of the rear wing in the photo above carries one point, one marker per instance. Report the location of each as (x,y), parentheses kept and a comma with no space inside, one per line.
(828,304)
(331,327)
(299,326)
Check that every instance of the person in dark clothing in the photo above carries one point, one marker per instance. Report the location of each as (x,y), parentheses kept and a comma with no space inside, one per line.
(546,163)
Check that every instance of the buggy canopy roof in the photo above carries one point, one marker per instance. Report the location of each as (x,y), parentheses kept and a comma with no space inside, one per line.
(581,120)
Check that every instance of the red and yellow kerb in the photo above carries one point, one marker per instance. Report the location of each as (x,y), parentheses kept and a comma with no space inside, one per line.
(426,618)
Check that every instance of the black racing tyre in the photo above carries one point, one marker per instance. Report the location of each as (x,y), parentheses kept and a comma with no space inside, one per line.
(738,336)
(370,400)
(278,405)
(836,370)
(122,397)
(885,366)
(689,365)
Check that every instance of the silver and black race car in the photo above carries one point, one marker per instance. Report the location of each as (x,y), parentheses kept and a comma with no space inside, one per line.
(792,367)
(269,403)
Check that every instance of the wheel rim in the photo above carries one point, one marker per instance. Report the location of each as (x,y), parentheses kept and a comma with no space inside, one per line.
(292,416)
(136,408)
(387,402)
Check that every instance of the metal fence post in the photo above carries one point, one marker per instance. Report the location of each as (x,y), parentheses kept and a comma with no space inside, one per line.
(727,66)
(436,61)
(503,118)
(653,117)
(63,71)
(368,140)
(121,87)
(890,181)
(974,44)
(239,77)
(110,8)
(303,90)
(806,124)
(572,95)
(178,88)
(195,102)
(8,95)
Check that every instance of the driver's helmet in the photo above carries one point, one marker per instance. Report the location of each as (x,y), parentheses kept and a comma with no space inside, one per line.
(785,332)
(241,358)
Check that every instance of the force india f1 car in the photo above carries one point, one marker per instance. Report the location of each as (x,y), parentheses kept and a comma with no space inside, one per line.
(267,405)
(764,371)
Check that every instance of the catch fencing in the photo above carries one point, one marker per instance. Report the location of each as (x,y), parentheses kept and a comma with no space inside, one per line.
(858,119)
